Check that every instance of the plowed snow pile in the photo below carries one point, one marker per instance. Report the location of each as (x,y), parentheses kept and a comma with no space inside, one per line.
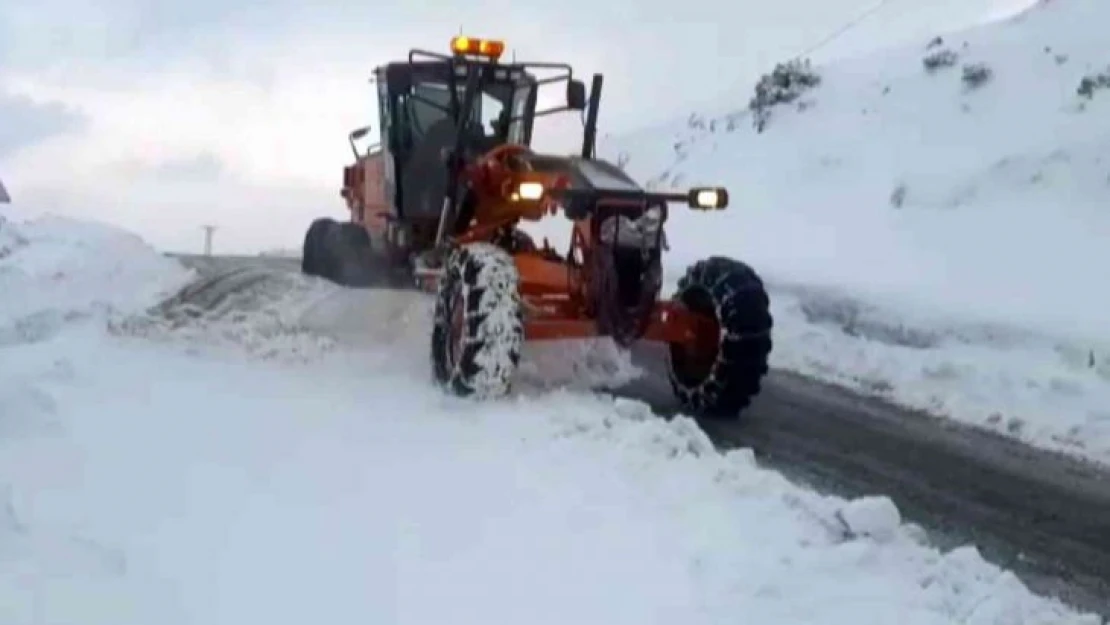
(54,272)
(164,481)
(933,221)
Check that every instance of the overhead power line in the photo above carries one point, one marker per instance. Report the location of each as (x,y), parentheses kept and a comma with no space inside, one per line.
(845,27)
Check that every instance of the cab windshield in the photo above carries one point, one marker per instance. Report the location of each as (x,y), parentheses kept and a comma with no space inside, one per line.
(429,102)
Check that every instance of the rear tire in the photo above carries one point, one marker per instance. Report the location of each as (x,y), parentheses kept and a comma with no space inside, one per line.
(478,328)
(722,383)
(339,252)
(351,256)
(312,251)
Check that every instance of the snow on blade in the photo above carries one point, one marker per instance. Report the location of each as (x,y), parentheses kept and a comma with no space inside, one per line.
(931,221)
(145,483)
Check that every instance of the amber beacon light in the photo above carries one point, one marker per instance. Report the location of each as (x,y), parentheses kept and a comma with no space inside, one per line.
(470,46)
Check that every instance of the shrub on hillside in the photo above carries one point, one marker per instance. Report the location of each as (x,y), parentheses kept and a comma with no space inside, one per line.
(783,85)
(1094,82)
(976,74)
(939,60)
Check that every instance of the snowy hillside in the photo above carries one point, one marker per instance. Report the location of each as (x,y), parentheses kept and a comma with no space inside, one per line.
(933,220)
(214,459)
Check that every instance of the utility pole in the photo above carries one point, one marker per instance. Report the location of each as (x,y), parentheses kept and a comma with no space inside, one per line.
(208,230)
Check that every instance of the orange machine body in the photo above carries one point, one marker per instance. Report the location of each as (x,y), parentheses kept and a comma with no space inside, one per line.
(364,191)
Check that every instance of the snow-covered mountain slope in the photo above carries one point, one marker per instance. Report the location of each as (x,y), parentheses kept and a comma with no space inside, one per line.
(177,467)
(933,221)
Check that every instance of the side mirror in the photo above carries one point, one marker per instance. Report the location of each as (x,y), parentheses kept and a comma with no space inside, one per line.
(355,136)
(576,95)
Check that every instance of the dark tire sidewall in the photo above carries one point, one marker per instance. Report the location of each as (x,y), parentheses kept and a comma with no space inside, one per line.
(313,251)
(350,255)
(738,300)
(338,252)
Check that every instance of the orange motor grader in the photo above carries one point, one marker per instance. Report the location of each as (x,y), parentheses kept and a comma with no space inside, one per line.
(437,204)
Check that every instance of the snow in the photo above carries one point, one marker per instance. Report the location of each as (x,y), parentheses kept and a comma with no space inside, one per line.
(934,243)
(876,517)
(264,447)
(159,466)
(52,272)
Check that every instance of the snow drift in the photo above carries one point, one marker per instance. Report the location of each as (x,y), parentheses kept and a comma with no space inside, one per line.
(153,474)
(932,220)
(55,271)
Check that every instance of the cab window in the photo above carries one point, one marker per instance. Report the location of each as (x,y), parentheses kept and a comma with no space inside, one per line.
(517,130)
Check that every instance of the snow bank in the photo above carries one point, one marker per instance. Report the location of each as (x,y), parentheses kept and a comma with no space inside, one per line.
(277,314)
(142,483)
(932,220)
(174,488)
(56,271)
(253,308)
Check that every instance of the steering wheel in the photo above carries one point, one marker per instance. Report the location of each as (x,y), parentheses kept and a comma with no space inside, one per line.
(497,158)
(505,150)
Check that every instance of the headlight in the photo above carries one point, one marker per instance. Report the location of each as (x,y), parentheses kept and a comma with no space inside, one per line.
(708,198)
(530,191)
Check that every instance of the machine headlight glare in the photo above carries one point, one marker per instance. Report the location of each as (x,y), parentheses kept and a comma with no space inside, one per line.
(530,191)
(708,198)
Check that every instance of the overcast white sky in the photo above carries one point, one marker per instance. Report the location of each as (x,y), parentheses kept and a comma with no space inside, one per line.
(161,116)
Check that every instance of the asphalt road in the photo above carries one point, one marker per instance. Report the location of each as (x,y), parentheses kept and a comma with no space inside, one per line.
(1040,514)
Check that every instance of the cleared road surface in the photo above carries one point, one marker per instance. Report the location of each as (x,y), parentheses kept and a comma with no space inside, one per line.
(1045,516)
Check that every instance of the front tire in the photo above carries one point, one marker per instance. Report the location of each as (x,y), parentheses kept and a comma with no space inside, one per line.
(720,382)
(478,328)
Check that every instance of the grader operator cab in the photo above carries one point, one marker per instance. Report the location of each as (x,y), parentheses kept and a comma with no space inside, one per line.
(437,202)
(436,112)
